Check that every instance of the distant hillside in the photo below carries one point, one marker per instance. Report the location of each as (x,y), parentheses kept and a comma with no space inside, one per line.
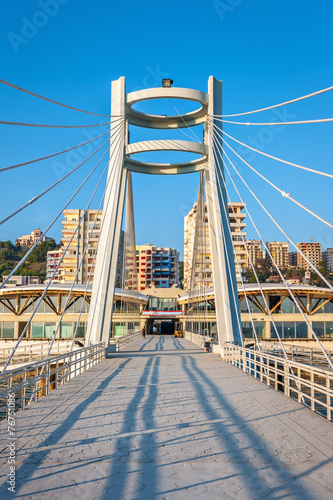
(35,263)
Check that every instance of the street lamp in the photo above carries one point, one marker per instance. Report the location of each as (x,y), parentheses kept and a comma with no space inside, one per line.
(167,82)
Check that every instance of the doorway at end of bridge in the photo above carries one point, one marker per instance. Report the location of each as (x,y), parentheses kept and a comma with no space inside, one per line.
(163,326)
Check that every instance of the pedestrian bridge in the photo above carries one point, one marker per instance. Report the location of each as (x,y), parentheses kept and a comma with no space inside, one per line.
(162,419)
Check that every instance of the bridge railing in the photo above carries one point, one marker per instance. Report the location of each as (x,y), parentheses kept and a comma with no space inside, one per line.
(196,338)
(127,339)
(28,351)
(311,386)
(303,354)
(34,380)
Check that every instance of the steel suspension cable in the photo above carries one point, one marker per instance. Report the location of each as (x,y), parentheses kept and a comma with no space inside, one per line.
(234,292)
(51,224)
(86,291)
(248,255)
(265,302)
(279,105)
(35,198)
(55,271)
(74,280)
(113,176)
(256,276)
(72,287)
(39,125)
(279,159)
(4,82)
(235,255)
(83,254)
(3,169)
(283,193)
(187,125)
(268,124)
(282,230)
(95,254)
(278,269)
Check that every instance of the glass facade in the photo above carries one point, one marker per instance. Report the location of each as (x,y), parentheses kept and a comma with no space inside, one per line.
(162,304)
(46,330)
(248,329)
(7,329)
(324,329)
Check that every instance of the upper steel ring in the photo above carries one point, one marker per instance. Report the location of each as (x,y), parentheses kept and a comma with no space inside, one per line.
(161,121)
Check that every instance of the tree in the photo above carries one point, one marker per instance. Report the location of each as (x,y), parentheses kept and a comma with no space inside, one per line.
(181,272)
(316,280)
(9,245)
(39,253)
(4,254)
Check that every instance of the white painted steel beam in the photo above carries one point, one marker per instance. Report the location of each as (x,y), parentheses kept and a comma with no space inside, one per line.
(226,297)
(224,274)
(164,122)
(101,307)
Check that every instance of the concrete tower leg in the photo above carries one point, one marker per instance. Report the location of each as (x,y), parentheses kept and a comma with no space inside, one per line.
(224,275)
(101,306)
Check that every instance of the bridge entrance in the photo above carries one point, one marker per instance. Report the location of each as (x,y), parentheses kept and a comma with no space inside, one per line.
(164,326)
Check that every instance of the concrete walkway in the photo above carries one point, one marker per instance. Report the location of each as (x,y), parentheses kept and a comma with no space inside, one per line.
(168,421)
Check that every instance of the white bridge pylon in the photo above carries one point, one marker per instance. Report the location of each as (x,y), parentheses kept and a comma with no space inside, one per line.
(121,152)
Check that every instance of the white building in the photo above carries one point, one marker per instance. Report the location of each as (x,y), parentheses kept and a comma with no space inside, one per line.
(53,259)
(237,226)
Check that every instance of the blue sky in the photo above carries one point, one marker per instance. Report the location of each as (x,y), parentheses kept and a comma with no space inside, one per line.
(265,53)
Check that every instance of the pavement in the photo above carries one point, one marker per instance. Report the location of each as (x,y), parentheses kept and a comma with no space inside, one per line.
(165,420)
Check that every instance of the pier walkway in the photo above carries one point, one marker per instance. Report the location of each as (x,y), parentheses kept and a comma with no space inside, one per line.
(164,420)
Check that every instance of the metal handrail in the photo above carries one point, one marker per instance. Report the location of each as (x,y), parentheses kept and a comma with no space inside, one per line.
(41,377)
(27,351)
(307,384)
(196,338)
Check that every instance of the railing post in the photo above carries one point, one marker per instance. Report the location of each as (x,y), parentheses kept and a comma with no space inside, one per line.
(299,387)
(328,398)
(69,363)
(56,384)
(47,378)
(24,379)
(36,384)
(312,390)
(286,378)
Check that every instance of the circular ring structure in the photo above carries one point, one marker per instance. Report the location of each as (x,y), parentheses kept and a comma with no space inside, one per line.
(166,145)
(164,121)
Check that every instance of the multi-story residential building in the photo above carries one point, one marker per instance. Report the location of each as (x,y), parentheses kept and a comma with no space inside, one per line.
(88,234)
(254,248)
(53,259)
(293,259)
(157,266)
(28,240)
(313,253)
(73,256)
(280,253)
(327,257)
(205,276)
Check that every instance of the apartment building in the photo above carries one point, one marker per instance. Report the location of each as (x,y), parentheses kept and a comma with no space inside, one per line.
(73,256)
(254,248)
(204,277)
(327,257)
(313,253)
(280,253)
(157,266)
(52,261)
(293,259)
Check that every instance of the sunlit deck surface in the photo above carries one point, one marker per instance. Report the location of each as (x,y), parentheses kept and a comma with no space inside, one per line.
(165,420)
